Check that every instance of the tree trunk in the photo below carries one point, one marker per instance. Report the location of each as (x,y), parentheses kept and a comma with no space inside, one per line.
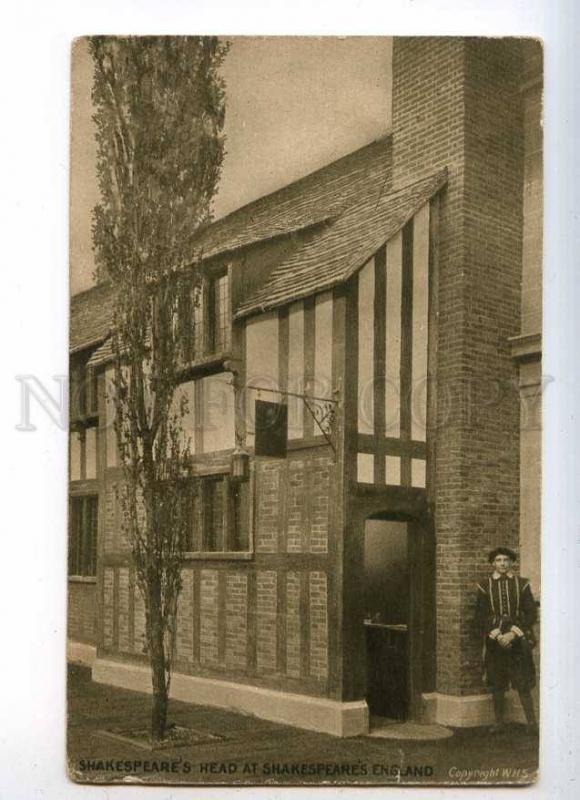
(158,666)
(159,706)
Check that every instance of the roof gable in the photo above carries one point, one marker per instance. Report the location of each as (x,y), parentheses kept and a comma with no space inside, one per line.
(320,197)
(337,251)
(91,315)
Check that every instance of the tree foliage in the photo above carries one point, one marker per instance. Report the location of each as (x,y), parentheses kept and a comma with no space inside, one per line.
(159,114)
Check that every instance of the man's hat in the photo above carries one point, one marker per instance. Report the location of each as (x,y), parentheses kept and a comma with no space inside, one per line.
(501,551)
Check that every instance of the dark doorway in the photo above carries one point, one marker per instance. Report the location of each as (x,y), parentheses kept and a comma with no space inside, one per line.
(387,616)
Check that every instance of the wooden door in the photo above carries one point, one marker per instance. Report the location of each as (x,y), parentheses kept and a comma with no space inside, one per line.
(387,586)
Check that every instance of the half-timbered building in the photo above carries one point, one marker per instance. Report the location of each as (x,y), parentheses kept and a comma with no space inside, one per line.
(369,307)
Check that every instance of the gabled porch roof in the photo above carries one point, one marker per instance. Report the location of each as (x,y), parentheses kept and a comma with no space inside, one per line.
(334,252)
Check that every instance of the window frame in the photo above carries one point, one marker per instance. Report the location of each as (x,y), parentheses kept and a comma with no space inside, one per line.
(83,392)
(79,542)
(218,337)
(210,341)
(229,515)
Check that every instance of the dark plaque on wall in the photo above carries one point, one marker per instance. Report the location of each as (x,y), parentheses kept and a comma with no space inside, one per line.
(271,429)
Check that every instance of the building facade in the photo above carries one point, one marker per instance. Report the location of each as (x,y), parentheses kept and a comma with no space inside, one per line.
(383,304)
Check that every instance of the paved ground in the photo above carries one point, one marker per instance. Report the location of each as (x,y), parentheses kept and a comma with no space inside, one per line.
(257,752)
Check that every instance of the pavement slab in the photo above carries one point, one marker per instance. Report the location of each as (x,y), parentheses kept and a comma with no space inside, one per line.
(257,752)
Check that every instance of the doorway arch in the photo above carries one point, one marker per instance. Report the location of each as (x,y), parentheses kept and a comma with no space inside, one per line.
(407,508)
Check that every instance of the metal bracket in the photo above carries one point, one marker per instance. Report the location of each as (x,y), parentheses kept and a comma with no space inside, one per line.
(323,414)
(321,409)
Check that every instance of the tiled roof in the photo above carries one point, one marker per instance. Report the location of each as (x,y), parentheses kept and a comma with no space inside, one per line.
(91,314)
(319,197)
(344,212)
(334,253)
(316,198)
(102,354)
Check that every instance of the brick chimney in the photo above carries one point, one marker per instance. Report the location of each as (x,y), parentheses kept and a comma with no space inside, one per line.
(456,104)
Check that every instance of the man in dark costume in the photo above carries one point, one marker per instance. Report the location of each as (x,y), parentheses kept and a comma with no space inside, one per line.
(505,615)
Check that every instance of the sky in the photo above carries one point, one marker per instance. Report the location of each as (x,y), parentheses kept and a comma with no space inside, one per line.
(293,104)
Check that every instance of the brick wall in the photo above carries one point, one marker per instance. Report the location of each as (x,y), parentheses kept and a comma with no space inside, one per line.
(208,638)
(318,624)
(295,519)
(266,614)
(236,621)
(184,633)
(456,104)
(293,624)
(108,607)
(81,617)
(264,620)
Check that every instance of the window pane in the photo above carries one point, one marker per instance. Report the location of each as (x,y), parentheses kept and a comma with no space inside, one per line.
(220,314)
(198,348)
(86,539)
(82,538)
(92,546)
(239,535)
(73,536)
(225,315)
(82,555)
(214,516)
(217,513)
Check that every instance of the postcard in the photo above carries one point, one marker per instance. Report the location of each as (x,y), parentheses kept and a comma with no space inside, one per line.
(305,410)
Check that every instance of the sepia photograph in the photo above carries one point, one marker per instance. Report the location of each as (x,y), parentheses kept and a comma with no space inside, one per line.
(305,434)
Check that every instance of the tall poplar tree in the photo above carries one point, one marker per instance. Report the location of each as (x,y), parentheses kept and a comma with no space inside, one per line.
(159,113)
